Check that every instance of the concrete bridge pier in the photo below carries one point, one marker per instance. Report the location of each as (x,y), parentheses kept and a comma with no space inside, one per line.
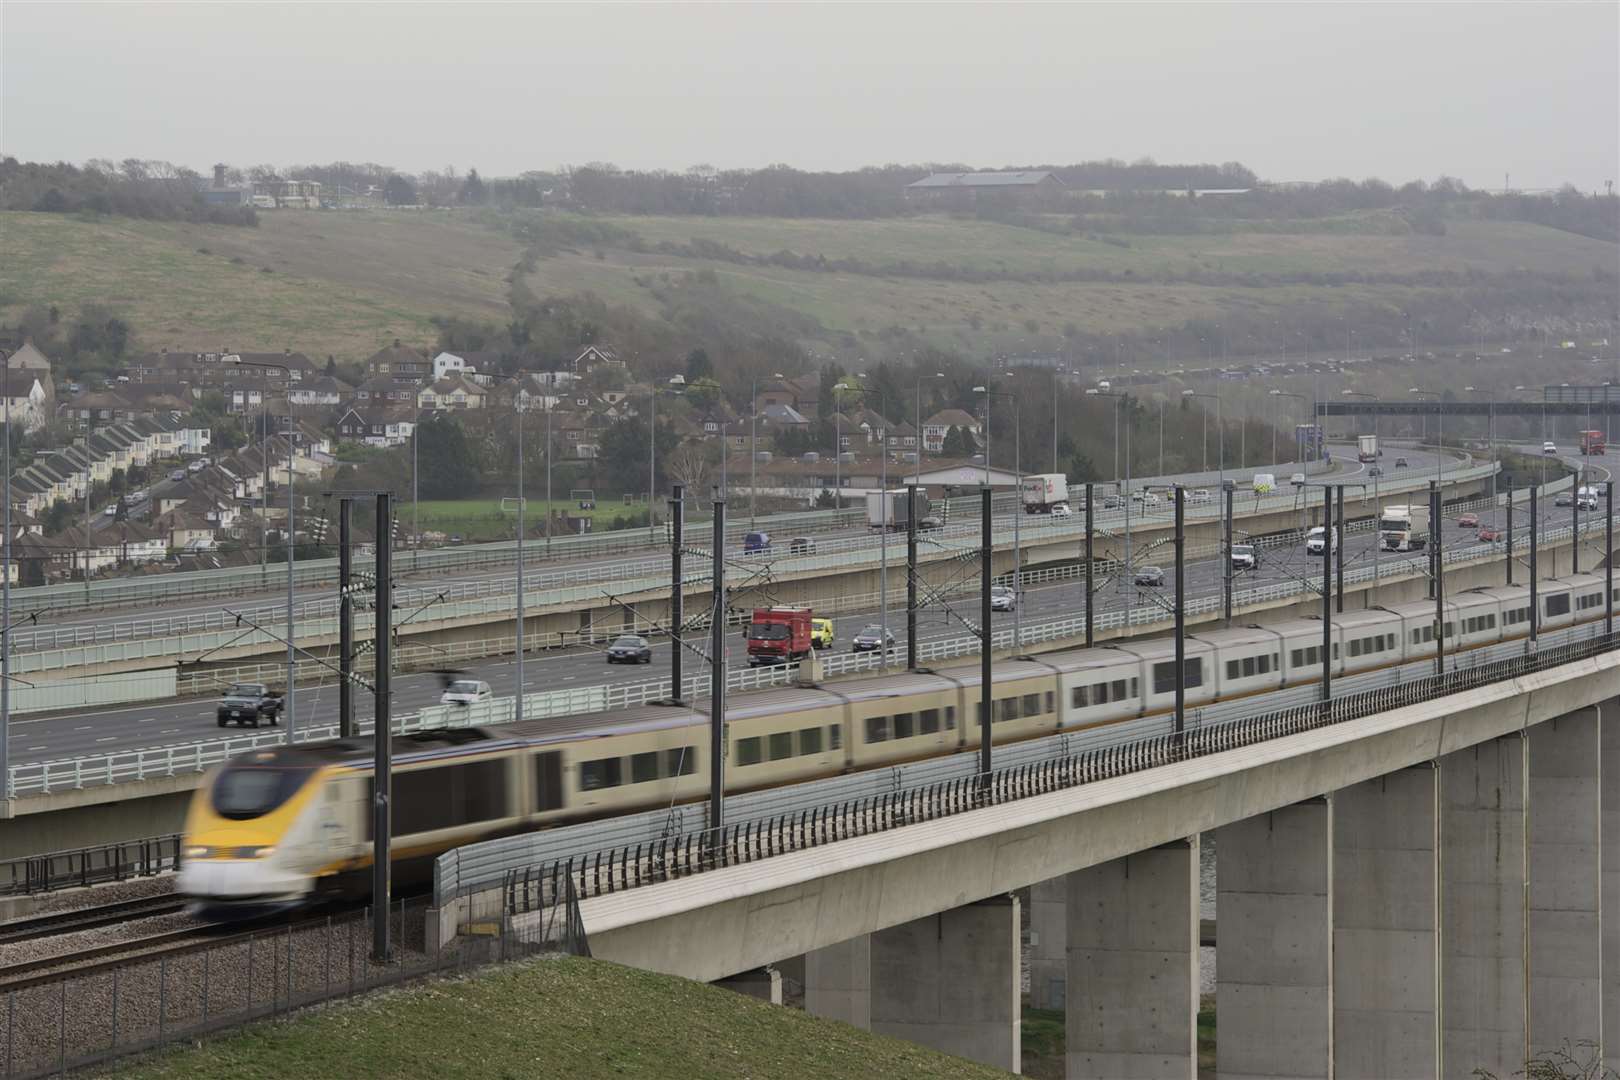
(1132,1008)
(1484,815)
(1049,954)
(1274,978)
(1610,824)
(1564,926)
(1386,927)
(951,981)
(838,982)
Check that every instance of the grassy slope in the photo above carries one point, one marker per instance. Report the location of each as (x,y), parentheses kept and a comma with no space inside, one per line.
(340,283)
(560,1017)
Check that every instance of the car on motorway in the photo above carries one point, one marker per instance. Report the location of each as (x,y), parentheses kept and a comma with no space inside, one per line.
(1549,448)
(756,543)
(801,545)
(629,649)
(1468,521)
(1490,535)
(110,510)
(456,540)
(1150,575)
(871,638)
(1198,495)
(821,633)
(930,523)
(465,692)
(1298,479)
(1376,470)
(1112,502)
(1061,510)
(1002,598)
(1563,498)
(1400,463)
(1245,556)
(245,704)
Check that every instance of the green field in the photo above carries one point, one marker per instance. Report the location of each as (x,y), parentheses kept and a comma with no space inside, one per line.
(483,519)
(345,283)
(556,1018)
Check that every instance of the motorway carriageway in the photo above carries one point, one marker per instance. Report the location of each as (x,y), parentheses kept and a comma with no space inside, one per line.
(265,605)
(41,737)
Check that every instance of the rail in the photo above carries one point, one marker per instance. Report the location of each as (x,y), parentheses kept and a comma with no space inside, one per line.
(42,777)
(535,869)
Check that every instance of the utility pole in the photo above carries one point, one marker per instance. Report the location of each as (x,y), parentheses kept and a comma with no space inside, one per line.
(1574,528)
(677,607)
(345,619)
(1439,580)
(1535,602)
(5,606)
(717,668)
(911,577)
(986,697)
(1228,488)
(1327,595)
(1510,536)
(1608,560)
(1089,523)
(1334,542)
(1434,526)
(381,810)
(1181,612)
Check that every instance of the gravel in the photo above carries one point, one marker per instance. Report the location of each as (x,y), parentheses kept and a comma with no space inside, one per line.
(96,895)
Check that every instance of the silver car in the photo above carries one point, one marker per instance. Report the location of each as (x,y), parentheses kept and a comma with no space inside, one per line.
(1002,598)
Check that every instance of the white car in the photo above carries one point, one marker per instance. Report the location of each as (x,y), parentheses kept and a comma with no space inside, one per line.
(1298,479)
(1315,540)
(1061,510)
(1002,598)
(465,692)
(110,510)
(1245,557)
(1198,495)
(1549,448)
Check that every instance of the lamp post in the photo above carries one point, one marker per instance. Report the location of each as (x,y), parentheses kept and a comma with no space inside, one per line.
(1220,452)
(5,606)
(1296,397)
(935,375)
(883,532)
(1440,430)
(292,656)
(1119,400)
(753,451)
(1018,510)
(1056,371)
(677,383)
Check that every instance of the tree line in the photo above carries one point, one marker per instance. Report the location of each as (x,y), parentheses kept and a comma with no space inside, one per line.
(134,188)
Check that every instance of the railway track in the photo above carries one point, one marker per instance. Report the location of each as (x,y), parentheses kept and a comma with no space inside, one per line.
(91,918)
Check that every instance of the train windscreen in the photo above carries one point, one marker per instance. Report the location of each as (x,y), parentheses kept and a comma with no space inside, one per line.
(254,791)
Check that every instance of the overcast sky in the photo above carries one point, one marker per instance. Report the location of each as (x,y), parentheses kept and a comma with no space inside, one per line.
(1299,91)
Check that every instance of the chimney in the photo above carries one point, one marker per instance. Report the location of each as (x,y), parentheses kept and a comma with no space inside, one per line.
(219,176)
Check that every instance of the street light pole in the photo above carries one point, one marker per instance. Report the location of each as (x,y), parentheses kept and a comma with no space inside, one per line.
(1018,509)
(5,607)
(1221,434)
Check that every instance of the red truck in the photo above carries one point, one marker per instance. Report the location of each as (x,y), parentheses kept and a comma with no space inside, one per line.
(778,635)
(1592,443)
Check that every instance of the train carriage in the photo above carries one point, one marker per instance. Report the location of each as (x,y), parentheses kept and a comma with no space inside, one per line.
(1157,672)
(1249,660)
(902,718)
(1369,639)
(1023,701)
(1097,686)
(1301,641)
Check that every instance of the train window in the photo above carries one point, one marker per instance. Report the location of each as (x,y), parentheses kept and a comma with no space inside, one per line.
(749,751)
(1080,697)
(904,728)
(877,728)
(1008,708)
(601,773)
(246,792)
(1355,647)
(1164,675)
(928,721)
(680,762)
(978,713)
(442,798)
(1296,657)
(1032,705)
(644,767)
(781,745)
(835,736)
(810,740)
(950,718)
(1051,702)
(1557,604)
(548,781)
(1234,669)
(1264,664)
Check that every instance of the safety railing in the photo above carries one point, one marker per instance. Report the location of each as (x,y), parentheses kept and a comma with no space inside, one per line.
(123,766)
(76,867)
(1060,762)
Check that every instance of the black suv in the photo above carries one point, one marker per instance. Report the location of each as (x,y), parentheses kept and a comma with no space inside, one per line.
(247,703)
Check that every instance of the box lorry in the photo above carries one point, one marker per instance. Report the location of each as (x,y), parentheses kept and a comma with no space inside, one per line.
(1366,448)
(1042,491)
(887,509)
(1592,442)
(779,635)
(1404,528)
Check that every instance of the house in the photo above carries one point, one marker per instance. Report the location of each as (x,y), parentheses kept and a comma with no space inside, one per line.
(946,186)
(400,364)
(783,418)
(277,193)
(902,436)
(936,427)
(385,390)
(377,425)
(321,391)
(27,400)
(92,411)
(452,392)
(183,530)
(592,356)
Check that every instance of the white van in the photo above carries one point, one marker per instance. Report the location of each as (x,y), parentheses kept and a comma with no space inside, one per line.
(1315,541)
(1264,483)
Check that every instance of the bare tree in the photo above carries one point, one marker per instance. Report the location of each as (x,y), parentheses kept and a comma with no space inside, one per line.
(691,464)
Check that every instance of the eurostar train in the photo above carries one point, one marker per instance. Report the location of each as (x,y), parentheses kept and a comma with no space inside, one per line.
(292,825)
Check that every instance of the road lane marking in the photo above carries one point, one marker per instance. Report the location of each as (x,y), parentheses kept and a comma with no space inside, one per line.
(109,738)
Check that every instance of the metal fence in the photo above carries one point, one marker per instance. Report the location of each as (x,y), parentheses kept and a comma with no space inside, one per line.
(106,1010)
(1140,745)
(90,866)
(129,765)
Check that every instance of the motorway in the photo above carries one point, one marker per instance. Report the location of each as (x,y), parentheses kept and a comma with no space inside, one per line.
(40,737)
(269,609)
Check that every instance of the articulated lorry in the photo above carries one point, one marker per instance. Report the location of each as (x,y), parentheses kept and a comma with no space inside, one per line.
(888,509)
(1404,528)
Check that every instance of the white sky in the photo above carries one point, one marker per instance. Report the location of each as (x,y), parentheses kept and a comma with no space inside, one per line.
(1304,90)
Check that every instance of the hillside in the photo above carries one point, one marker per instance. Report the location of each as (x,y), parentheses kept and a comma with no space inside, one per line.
(342,283)
(557,1017)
